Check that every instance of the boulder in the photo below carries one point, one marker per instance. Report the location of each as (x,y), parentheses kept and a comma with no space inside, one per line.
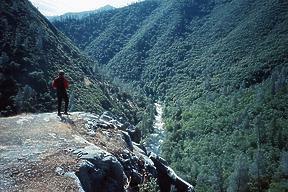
(167,177)
(135,167)
(100,171)
(134,132)
(108,120)
(127,139)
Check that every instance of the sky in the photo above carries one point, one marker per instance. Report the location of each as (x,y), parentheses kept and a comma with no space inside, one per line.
(59,7)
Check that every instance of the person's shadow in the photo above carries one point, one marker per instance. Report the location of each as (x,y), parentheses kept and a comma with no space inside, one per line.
(66,119)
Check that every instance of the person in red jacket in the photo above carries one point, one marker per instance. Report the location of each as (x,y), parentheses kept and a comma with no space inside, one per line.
(61,84)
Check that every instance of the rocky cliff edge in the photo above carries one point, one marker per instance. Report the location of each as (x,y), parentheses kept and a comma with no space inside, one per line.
(79,152)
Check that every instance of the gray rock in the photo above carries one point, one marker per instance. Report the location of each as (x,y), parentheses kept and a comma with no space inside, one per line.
(100,171)
(140,148)
(106,116)
(127,139)
(59,171)
(167,177)
(108,120)
(134,132)
(98,164)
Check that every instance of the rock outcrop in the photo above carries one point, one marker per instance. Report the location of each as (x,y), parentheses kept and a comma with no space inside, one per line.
(79,152)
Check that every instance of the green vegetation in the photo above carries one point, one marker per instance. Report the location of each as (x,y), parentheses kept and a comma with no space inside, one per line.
(103,35)
(221,69)
(32,51)
(149,186)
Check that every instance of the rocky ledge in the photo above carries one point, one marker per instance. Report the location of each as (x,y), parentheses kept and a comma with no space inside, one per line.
(79,152)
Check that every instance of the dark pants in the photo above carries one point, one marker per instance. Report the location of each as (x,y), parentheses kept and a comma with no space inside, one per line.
(64,96)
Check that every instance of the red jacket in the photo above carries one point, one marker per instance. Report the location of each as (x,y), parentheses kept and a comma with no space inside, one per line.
(60,83)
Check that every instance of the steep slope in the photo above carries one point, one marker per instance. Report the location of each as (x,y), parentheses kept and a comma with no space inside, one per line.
(32,51)
(221,68)
(103,35)
(198,44)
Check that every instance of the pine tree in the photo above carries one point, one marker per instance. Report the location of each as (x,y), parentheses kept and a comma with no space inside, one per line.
(25,99)
(259,131)
(238,180)
(26,43)
(4,23)
(18,38)
(258,169)
(4,58)
(217,179)
(273,82)
(274,130)
(284,163)
(207,84)
(71,101)
(39,42)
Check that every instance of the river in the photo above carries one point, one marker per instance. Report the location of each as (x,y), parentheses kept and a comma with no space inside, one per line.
(154,141)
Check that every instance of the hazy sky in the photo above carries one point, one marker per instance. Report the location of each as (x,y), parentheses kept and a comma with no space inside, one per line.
(59,7)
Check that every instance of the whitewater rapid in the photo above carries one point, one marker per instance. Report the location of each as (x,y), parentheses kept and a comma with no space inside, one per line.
(154,140)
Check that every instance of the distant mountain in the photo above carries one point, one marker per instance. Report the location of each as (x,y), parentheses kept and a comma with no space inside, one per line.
(221,69)
(116,27)
(32,51)
(80,15)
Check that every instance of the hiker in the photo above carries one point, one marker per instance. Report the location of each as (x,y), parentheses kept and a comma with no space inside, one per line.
(61,84)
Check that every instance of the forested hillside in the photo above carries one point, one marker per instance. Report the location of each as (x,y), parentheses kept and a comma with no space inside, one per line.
(105,34)
(221,69)
(32,51)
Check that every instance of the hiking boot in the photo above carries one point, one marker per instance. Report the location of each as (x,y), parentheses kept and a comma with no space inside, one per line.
(65,113)
(59,114)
